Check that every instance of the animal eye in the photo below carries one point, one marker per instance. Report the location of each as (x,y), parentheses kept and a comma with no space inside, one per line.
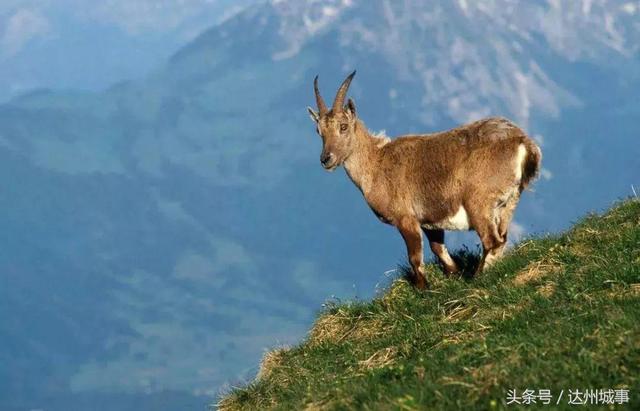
(343,127)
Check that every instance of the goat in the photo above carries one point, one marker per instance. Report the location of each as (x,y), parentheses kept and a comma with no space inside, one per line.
(466,178)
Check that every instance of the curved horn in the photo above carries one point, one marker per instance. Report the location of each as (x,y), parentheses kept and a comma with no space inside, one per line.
(322,108)
(342,92)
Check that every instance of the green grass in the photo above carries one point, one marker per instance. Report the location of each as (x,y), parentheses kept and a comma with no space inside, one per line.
(560,312)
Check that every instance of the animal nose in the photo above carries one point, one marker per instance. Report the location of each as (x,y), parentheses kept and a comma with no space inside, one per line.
(326,158)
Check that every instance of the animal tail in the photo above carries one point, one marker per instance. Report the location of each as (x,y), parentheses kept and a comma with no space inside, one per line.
(531,163)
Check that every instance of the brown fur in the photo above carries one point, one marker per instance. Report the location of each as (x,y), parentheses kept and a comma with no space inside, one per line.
(420,182)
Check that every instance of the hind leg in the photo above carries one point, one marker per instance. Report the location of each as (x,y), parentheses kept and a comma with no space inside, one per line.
(493,243)
(492,249)
(436,242)
(505,215)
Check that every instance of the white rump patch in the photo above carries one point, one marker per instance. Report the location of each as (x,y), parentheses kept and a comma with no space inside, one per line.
(522,152)
(457,222)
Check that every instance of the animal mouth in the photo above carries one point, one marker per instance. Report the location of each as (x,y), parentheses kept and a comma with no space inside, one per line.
(331,167)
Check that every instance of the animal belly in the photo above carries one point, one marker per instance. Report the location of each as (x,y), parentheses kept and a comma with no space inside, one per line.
(457,222)
(380,216)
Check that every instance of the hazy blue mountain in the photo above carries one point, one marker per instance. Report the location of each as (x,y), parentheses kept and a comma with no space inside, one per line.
(158,236)
(72,44)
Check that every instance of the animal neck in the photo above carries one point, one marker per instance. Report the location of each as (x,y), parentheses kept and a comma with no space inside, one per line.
(360,165)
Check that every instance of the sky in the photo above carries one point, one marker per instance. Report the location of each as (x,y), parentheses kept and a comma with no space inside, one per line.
(90,45)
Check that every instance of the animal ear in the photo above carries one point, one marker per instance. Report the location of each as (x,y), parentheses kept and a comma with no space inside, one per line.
(351,107)
(314,116)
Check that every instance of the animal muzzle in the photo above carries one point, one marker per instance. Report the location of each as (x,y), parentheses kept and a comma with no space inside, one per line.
(328,160)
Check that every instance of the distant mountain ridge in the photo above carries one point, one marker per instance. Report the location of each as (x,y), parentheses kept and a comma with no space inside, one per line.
(160,235)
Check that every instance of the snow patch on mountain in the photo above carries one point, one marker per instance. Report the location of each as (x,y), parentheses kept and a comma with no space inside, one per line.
(478,59)
(301,20)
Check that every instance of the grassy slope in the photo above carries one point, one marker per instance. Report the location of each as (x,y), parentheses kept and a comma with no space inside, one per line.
(559,312)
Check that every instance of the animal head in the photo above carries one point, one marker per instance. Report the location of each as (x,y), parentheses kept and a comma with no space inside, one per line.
(336,126)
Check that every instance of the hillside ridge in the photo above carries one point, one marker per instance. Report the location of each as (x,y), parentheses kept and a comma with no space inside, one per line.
(558,313)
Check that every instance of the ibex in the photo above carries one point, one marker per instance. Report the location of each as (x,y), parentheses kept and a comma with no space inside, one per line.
(467,178)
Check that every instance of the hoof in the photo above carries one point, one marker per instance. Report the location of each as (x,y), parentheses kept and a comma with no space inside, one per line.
(450,270)
(420,282)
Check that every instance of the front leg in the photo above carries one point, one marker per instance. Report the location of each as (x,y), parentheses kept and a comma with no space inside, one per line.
(436,242)
(411,233)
